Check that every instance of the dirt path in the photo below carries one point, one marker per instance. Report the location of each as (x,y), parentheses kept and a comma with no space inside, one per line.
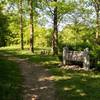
(38,83)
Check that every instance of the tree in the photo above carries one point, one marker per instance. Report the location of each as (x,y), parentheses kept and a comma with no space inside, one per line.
(14,7)
(4,32)
(58,9)
(55,31)
(31,25)
(21,24)
(97,9)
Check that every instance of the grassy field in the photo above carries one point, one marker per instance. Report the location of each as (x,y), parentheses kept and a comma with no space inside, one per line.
(76,85)
(69,84)
(10,81)
(37,57)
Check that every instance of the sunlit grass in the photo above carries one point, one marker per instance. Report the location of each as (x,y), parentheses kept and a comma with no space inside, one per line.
(76,85)
(69,84)
(36,57)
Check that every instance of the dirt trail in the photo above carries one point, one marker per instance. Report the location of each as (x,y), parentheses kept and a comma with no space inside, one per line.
(38,83)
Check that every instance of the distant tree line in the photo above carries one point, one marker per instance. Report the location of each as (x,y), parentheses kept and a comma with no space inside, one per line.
(72,22)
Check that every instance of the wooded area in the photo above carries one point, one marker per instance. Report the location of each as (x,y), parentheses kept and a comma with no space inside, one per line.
(35,33)
(51,23)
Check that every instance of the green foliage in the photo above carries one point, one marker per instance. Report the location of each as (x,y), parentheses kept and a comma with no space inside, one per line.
(4,32)
(66,7)
(41,36)
(78,37)
(14,37)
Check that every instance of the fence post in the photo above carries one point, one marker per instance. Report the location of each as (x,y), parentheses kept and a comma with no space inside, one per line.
(86,59)
(65,52)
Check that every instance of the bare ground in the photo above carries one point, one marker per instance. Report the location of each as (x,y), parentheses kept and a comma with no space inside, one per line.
(38,82)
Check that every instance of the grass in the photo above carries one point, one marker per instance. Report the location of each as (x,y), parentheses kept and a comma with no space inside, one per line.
(69,84)
(10,81)
(36,57)
(76,85)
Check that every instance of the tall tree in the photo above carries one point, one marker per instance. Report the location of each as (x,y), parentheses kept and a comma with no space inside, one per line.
(97,9)
(55,31)
(21,24)
(56,9)
(31,25)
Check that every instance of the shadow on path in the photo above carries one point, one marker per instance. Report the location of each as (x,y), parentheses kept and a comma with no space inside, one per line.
(38,83)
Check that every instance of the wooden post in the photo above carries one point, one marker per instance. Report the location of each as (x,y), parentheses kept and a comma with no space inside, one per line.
(86,59)
(65,52)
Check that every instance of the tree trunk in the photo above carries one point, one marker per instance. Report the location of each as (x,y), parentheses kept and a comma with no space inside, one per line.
(21,25)
(55,33)
(97,9)
(31,26)
(97,24)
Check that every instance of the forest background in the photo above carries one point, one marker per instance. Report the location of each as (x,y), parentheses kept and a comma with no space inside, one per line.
(51,24)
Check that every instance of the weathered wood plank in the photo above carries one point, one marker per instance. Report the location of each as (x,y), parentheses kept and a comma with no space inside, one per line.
(75,56)
(82,56)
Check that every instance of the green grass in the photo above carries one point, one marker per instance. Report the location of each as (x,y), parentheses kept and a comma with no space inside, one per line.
(76,85)
(10,81)
(34,57)
(69,84)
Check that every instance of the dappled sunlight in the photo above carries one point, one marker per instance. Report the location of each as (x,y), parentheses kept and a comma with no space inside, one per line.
(77,85)
(68,88)
(41,88)
(81,93)
(95,76)
(17,59)
(37,81)
(34,97)
(68,84)
(39,91)
(62,78)
(51,62)
(36,93)
(84,79)
(44,78)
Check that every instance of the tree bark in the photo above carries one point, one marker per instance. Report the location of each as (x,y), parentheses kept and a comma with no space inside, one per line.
(21,25)
(97,9)
(31,26)
(55,32)
(97,24)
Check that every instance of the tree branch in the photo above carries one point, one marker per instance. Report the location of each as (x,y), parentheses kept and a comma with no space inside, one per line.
(49,7)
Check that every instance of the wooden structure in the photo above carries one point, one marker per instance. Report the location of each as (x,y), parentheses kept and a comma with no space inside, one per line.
(82,56)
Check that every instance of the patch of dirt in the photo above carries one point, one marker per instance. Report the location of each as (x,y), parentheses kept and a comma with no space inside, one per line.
(38,82)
